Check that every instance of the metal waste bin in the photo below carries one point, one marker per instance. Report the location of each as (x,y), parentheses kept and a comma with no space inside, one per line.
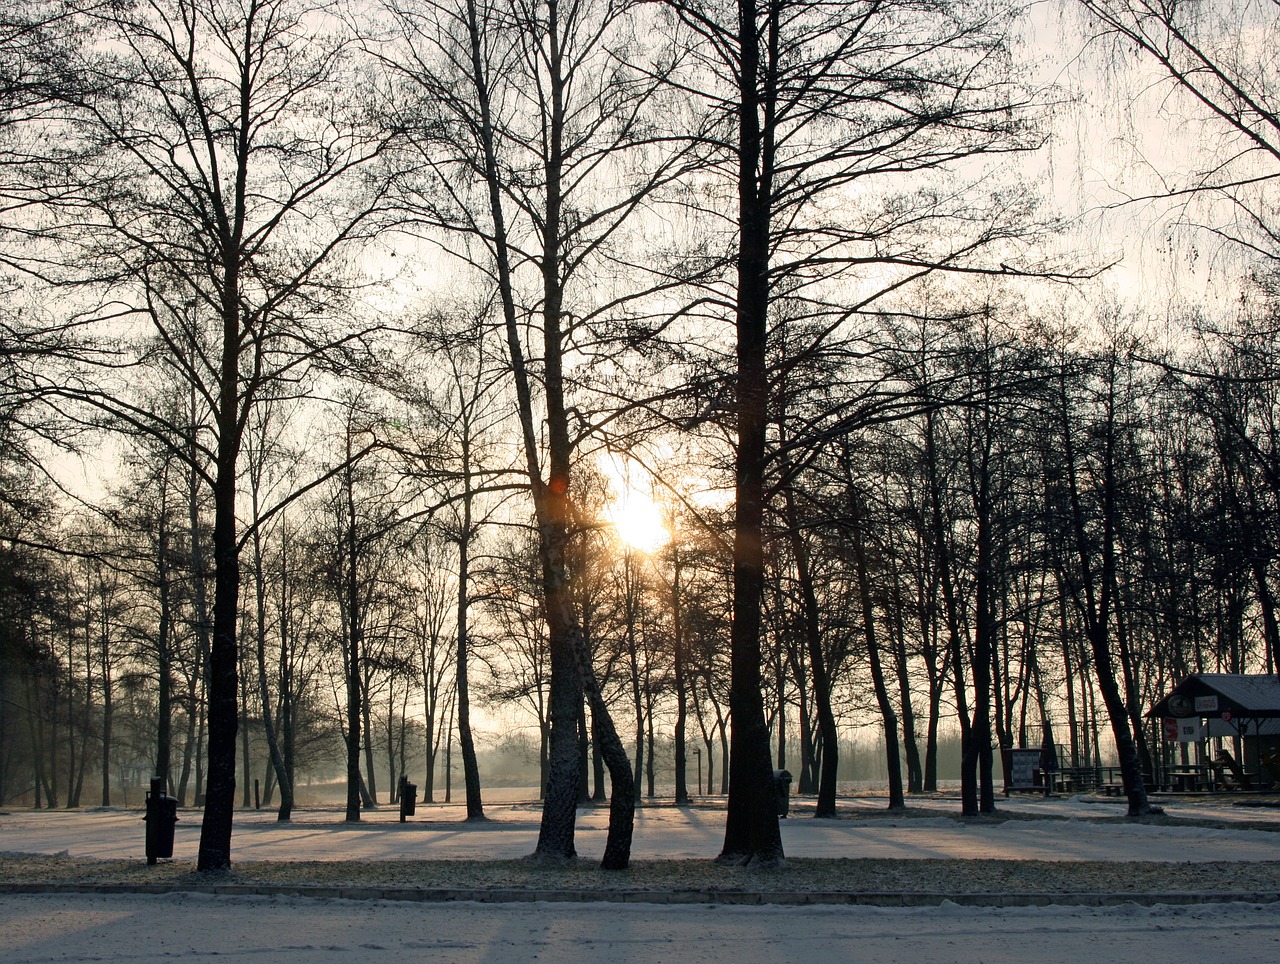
(782,787)
(408,799)
(161,815)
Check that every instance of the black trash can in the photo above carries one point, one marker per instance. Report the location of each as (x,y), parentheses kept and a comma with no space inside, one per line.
(782,787)
(408,799)
(161,815)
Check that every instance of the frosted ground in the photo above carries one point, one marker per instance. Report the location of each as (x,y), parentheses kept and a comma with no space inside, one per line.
(1074,828)
(81,927)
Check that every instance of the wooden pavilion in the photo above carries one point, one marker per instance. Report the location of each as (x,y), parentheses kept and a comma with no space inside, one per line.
(1241,708)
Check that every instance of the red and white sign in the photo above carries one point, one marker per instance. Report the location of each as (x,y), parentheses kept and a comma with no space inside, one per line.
(1182,731)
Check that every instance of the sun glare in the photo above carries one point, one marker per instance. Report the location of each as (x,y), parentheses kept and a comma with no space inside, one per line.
(638,522)
(633,514)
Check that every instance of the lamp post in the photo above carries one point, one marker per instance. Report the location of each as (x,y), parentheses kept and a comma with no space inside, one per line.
(697,751)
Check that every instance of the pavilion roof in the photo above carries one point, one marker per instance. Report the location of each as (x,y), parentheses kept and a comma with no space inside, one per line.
(1256,696)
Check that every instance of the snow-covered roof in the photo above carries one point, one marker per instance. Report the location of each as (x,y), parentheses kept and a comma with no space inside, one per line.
(1242,726)
(1213,694)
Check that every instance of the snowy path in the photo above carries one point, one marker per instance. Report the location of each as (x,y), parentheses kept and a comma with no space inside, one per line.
(39,929)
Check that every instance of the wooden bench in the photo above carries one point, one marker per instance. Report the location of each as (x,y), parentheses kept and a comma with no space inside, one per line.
(1229,773)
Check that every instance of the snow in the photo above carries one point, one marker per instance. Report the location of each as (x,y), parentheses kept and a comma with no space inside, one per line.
(1052,829)
(71,927)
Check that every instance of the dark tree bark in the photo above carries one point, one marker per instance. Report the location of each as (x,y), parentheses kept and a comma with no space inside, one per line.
(752,834)
(462,690)
(548,39)
(275,756)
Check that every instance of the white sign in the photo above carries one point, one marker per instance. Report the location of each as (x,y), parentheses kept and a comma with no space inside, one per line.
(1190,730)
(1206,704)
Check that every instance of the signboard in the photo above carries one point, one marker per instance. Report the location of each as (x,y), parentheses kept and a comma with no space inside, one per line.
(1206,704)
(1188,730)
(1022,765)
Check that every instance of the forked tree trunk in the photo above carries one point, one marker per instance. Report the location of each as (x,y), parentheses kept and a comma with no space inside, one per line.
(826,806)
(550,496)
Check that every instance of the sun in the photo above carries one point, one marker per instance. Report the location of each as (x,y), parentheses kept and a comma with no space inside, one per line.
(634,515)
(638,522)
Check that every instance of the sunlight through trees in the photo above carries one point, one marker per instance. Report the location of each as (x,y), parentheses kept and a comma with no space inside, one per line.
(627,400)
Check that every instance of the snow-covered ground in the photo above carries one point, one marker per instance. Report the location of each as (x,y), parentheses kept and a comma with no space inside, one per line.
(130,927)
(1067,829)
(135,927)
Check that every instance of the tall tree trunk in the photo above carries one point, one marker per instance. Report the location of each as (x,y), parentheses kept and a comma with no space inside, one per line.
(597,770)
(649,715)
(369,798)
(910,744)
(955,644)
(462,694)
(890,718)
(678,661)
(931,740)
(108,715)
(276,758)
(1069,673)
(633,654)
(73,706)
(164,642)
(550,497)
(354,658)
(984,645)
(286,716)
(223,678)
(246,764)
(752,834)
(584,757)
(898,640)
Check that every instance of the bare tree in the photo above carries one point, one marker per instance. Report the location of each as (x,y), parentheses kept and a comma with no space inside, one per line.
(1217,60)
(816,102)
(465,483)
(540,157)
(216,200)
